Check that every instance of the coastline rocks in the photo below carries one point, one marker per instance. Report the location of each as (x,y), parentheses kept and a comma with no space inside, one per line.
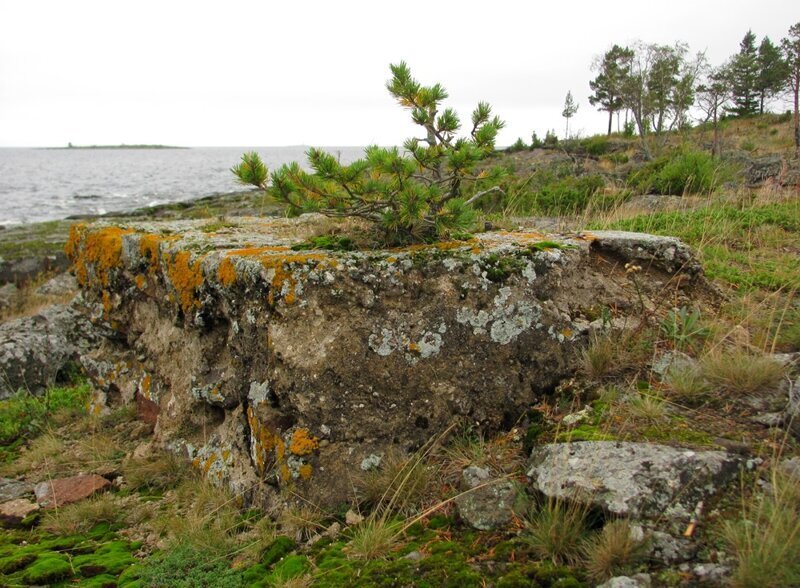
(637,480)
(34,349)
(270,366)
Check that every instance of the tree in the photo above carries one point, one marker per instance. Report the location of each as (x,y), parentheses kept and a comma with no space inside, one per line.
(744,78)
(570,108)
(791,52)
(606,86)
(712,95)
(657,86)
(772,72)
(416,197)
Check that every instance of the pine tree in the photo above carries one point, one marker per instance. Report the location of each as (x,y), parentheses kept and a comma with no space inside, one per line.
(744,78)
(570,108)
(791,52)
(606,86)
(420,197)
(772,72)
(712,95)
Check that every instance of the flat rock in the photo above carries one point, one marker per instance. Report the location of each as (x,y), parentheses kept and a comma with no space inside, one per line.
(60,285)
(13,512)
(61,491)
(11,489)
(637,480)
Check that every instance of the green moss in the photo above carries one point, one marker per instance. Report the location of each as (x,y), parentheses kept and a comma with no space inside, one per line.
(279,548)
(12,563)
(291,566)
(111,558)
(585,432)
(327,242)
(47,569)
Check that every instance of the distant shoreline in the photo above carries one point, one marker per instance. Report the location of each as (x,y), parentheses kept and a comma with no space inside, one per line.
(123,146)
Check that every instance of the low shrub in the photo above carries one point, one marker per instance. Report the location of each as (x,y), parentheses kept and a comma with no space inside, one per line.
(681,172)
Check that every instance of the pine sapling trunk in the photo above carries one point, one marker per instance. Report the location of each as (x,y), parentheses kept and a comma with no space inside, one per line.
(610,119)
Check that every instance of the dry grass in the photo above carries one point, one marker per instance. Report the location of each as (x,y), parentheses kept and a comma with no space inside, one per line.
(45,452)
(686,385)
(766,539)
(374,538)
(646,406)
(555,530)
(158,472)
(80,517)
(26,302)
(612,552)
(741,372)
(500,455)
(402,483)
(302,521)
(600,357)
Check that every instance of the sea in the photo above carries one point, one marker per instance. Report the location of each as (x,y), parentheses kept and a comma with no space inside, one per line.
(47,184)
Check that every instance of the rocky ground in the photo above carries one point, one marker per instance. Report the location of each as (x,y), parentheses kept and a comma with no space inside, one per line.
(226,403)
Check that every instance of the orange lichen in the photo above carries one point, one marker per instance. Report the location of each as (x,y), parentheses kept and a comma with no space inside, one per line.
(282,278)
(226,272)
(255,251)
(96,252)
(264,441)
(140,281)
(149,247)
(106,301)
(303,443)
(186,277)
(305,471)
(567,333)
(146,385)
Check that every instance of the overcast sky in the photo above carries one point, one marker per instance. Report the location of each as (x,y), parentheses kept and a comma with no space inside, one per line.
(249,73)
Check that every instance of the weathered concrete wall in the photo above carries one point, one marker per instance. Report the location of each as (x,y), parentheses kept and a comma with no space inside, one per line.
(269,366)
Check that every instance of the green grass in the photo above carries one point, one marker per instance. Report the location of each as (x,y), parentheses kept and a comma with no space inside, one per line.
(748,247)
(25,415)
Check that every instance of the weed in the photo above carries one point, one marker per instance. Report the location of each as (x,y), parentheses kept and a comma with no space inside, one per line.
(683,328)
(302,521)
(25,415)
(741,372)
(612,552)
(686,384)
(555,529)
(374,538)
(402,483)
(600,357)
(766,539)
(646,406)
(500,455)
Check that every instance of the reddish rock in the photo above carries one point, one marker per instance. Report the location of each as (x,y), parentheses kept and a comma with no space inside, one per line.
(63,491)
(147,410)
(13,512)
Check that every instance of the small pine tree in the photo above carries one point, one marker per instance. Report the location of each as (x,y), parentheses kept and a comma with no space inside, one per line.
(791,52)
(570,108)
(744,78)
(422,196)
(607,86)
(772,72)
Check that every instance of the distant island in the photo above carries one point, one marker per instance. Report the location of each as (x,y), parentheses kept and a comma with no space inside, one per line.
(122,146)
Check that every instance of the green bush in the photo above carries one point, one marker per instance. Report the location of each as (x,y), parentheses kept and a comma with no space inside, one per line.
(519,145)
(596,146)
(568,195)
(185,566)
(679,173)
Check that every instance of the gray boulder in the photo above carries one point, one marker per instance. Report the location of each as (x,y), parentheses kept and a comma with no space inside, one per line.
(637,581)
(637,480)
(487,504)
(34,349)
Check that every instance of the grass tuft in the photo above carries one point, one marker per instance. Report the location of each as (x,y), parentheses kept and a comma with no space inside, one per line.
(741,372)
(555,530)
(612,552)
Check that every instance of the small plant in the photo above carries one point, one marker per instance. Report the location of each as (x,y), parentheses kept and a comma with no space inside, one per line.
(187,566)
(766,539)
(555,530)
(686,384)
(647,406)
(401,483)
(415,198)
(741,372)
(302,521)
(600,357)
(519,145)
(683,328)
(613,551)
(374,538)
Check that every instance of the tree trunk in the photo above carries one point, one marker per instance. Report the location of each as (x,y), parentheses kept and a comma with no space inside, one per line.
(610,120)
(715,146)
(796,115)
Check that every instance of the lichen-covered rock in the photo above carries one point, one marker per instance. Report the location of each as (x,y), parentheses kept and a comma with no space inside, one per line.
(637,480)
(34,349)
(636,581)
(14,512)
(11,489)
(291,367)
(487,504)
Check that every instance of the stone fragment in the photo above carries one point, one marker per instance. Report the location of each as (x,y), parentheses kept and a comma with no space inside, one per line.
(486,504)
(61,491)
(637,581)
(13,512)
(352,518)
(60,285)
(11,489)
(638,480)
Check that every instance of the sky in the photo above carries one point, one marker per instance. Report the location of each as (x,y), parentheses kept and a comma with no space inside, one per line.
(306,72)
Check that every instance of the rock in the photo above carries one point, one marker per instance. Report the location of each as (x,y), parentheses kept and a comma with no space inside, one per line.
(637,581)
(34,349)
(295,379)
(11,489)
(333,530)
(637,480)
(61,491)
(413,556)
(672,360)
(711,573)
(352,518)
(486,504)
(60,285)
(764,168)
(371,462)
(790,466)
(25,269)
(8,295)
(670,550)
(577,417)
(13,512)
